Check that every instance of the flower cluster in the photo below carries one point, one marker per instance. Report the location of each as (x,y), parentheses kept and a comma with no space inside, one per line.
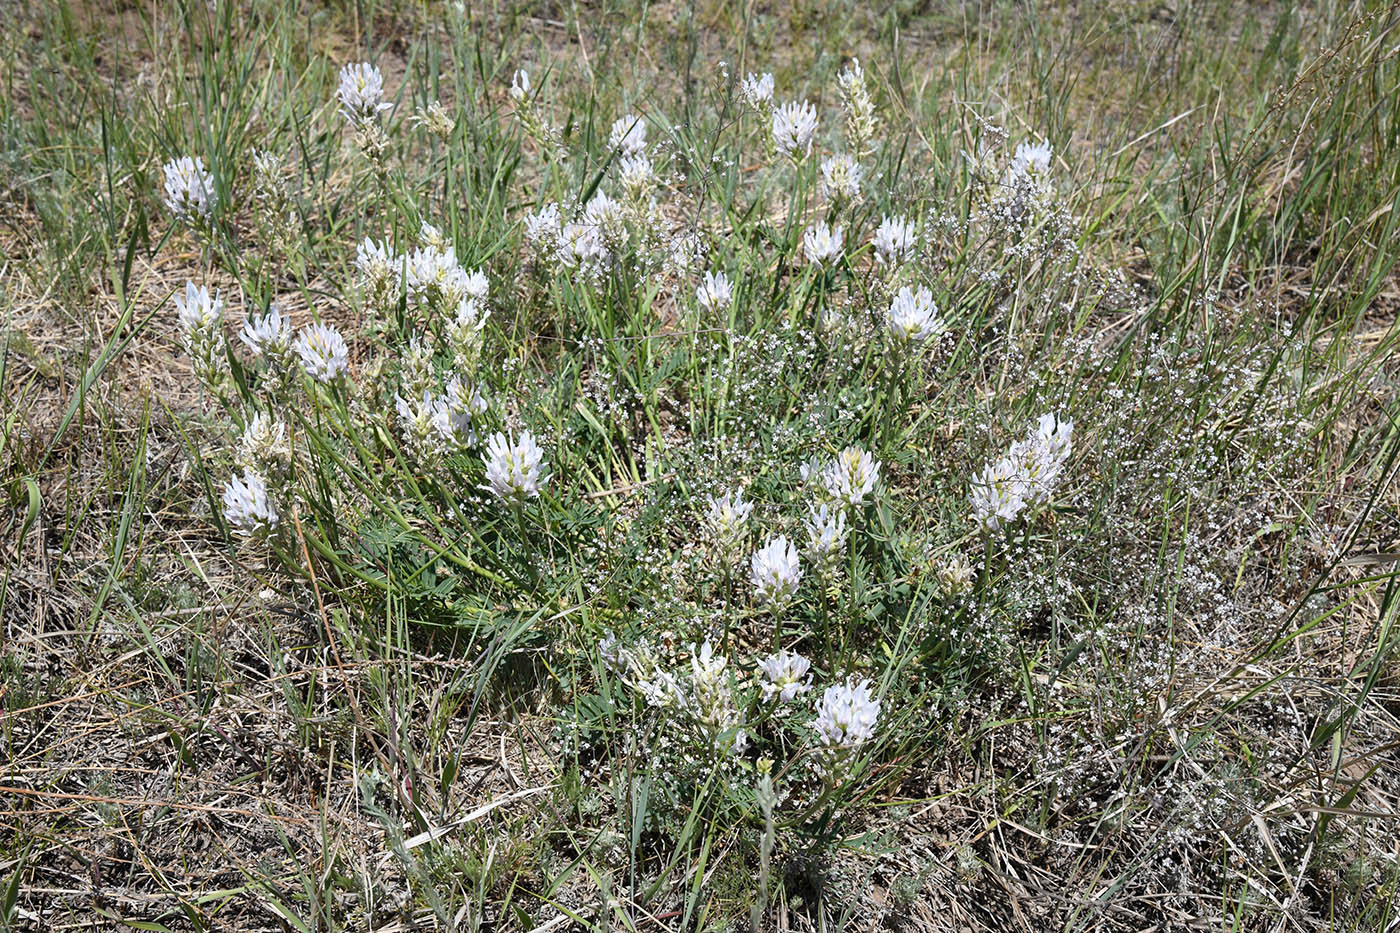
(361,93)
(727,518)
(845,721)
(201,319)
(846,479)
(323,352)
(895,241)
(515,470)
(861,123)
(794,128)
(912,316)
(1025,477)
(775,572)
(533,119)
(189,190)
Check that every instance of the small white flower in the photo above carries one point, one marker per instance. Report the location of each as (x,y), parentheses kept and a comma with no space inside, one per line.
(476,285)
(268,336)
(861,123)
(513,470)
(955,576)
(1057,433)
(201,319)
(542,229)
(520,85)
(379,270)
(706,668)
(894,241)
(606,216)
(430,235)
(998,494)
(1031,159)
(263,447)
(727,517)
(841,177)
(189,189)
(427,427)
(715,292)
(361,92)
(628,134)
(826,533)
(464,404)
(822,244)
(637,175)
(247,507)
(775,571)
(794,126)
(851,476)
(1037,467)
(198,311)
(783,676)
(757,91)
(847,715)
(912,316)
(581,245)
(464,332)
(323,352)
(375,260)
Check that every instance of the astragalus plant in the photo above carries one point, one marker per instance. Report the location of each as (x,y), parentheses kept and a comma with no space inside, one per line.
(783,450)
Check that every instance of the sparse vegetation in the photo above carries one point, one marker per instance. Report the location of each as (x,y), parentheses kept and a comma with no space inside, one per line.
(699,467)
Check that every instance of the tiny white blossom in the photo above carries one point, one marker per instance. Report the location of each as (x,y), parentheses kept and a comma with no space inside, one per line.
(847,715)
(706,668)
(520,85)
(1037,467)
(955,576)
(775,571)
(628,134)
(1057,433)
(715,291)
(430,235)
(542,229)
(269,336)
(1031,159)
(375,260)
(894,241)
(637,175)
(851,476)
(606,216)
(197,310)
(826,533)
(323,352)
(427,426)
(189,189)
(822,244)
(476,285)
(263,447)
(912,316)
(361,92)
(794,126)
(841,177)
(581,245)
(783,675)
(727,517)
(247,507)
(998,494)
(514,469)
(464,404)
(757,91)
